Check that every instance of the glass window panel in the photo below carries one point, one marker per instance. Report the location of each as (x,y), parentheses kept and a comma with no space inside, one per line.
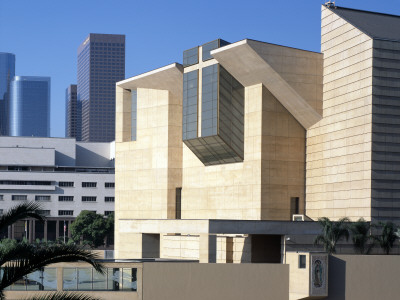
(70,279)
(84,279)
(206,49)
(190,56)
(49,279)
(113,279)
(129,282)
(19,285)
(99,281)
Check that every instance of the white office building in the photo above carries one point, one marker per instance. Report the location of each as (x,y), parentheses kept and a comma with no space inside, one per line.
(63,175)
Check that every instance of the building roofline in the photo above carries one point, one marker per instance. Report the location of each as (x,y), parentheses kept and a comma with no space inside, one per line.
(359,28)
(148,73)
(360,10)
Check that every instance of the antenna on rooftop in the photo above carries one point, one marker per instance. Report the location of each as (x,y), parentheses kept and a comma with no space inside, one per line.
(330,4)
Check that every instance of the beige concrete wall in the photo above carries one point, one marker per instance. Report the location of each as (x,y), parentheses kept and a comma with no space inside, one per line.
(339,146)
(215,281)
(299,279)
(149,169)
(367,277)
(179,247)
(283,160)
(260,187)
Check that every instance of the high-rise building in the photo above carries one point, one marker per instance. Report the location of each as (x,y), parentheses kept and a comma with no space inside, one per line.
(7,72)
(101,63)
(29,106)
(73,113)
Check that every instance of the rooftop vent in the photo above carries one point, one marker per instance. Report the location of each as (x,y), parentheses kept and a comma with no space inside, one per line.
(330,4)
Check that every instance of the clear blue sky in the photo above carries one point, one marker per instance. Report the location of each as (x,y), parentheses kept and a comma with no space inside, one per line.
(45,34)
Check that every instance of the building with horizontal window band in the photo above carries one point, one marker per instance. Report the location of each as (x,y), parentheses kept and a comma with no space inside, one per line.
(63,175)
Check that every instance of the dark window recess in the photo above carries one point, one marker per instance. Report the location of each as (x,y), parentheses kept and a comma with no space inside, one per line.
(42,198)
(88,199)
(133,115)
(65,198)
(108,212)
(294,206)
(302,261)
(178,203)
(43,212)
(109,184)
(109,199)
(89,184)
(65,212)
(23,182)
(66,183)
(19,197)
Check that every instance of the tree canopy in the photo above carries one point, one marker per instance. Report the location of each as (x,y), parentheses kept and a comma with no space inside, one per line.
(91,228)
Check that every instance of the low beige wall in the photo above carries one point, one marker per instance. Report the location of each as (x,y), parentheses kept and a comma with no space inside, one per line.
(101,295)
(366,277)
(183,281)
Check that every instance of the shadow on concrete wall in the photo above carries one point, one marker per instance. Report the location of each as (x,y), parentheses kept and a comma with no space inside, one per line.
(336,279)
(88,158)
(63,159)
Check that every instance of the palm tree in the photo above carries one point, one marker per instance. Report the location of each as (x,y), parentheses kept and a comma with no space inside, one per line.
(387,237)
(361,236)
(332,232)
(21,259)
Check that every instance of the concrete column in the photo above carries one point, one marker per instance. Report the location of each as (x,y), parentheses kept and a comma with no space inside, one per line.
(207,248)
(33,229)
(59,278)
(57,229)
(12,231)
(30,233)
(69,231)
(9,235)
(45,230)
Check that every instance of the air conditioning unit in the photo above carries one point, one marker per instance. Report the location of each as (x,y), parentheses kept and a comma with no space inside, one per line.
(298,218)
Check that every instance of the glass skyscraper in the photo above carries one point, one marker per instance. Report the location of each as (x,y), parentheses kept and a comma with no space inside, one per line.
(101,63)
(73,113)
(29,107)
(7,73)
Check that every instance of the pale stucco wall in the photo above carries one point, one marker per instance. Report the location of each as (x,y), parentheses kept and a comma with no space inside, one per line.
(215,281)
(339,146)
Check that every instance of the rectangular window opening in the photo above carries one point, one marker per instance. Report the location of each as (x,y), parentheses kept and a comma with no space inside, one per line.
(302,261)
(178,203)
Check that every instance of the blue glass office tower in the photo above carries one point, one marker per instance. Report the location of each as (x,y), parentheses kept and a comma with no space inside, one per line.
(7,73)
(101,63)
(29,109)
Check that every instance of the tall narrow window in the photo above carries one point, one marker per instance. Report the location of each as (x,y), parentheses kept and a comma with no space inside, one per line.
(134,115)
(189,105)
(178,202)
(294,206)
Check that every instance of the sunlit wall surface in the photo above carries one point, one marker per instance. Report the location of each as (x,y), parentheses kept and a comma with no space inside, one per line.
(101,63)
(29,109)
(7,73)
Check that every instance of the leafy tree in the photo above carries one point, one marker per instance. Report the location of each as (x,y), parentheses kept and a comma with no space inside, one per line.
(20,259)
(110,220)
(361,236)
(387,237)
(332,232)
(92,228)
